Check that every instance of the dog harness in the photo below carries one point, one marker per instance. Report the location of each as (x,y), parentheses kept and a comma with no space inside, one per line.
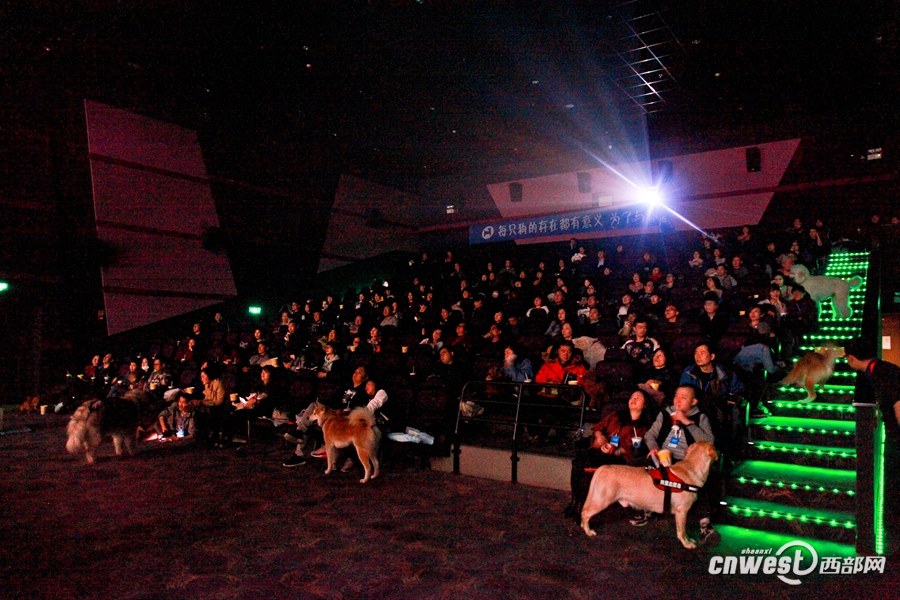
(669,482)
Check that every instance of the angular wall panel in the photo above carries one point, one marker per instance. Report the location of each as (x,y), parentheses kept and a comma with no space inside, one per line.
(152,201)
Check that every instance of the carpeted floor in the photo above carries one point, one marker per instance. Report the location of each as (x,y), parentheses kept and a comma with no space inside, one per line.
(184,522)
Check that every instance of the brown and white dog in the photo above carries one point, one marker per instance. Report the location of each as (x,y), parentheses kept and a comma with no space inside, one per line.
(812,369)
(95,419)
(633,487)
(357,428)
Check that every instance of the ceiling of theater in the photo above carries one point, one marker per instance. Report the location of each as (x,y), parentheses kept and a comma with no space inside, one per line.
(409,90)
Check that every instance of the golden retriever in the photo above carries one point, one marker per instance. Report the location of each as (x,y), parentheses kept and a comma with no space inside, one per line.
(633,487)
(357,428)
(812,369)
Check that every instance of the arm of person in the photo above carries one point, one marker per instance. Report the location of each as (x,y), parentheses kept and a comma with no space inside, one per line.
(897,411)
(652,434)
(701,429)
(377,401)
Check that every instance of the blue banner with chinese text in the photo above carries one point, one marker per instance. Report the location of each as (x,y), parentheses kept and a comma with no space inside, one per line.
(584,221)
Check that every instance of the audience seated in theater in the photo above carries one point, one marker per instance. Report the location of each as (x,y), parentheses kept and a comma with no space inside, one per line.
(756,349)
(562,368)
(618,438)
(331,368)
(659,370)
(640,347)
(211,409)
(177,419)
(712,321)
(717,390)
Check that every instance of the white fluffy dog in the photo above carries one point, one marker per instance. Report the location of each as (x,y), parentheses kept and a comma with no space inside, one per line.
(820,287)
(94,419)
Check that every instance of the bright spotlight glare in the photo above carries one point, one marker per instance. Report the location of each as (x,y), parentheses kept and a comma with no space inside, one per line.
(650,196)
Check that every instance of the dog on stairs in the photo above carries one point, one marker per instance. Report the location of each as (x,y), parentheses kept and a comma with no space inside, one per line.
(357,428)
(634,487)
(812,369)
(821,287)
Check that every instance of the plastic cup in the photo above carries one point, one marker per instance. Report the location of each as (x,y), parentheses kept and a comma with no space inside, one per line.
(665,458)
(404,349)
(43,409)
(234,397)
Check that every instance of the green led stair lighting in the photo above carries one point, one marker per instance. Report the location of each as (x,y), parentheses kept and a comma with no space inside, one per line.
(823,475)
(879,489)
(743,507)
(796,477)
(815,406)
(809,450)
(735,539)
(803,425)
(828,388)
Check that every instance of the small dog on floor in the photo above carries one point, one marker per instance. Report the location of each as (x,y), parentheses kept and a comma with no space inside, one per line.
(95,419)
(812,369)
(633,487)
(357,428)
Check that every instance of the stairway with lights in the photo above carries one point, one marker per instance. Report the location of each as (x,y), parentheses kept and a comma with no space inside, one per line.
(799,479)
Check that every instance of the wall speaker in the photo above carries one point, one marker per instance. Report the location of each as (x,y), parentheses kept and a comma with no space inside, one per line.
(584,182)
(754,160)
(515,192)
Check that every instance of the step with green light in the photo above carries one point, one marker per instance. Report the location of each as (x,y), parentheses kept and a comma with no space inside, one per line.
(736,539)
(747,508)
(828,388)
(806,426)
(796,477)
(810,407)
(780,450)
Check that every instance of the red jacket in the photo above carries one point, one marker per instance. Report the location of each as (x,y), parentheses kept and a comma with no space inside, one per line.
(553,372)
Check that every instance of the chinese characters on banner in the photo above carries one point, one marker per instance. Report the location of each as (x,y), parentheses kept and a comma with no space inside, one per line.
(586,221)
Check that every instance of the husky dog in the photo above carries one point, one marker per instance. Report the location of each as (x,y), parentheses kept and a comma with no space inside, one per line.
(357,428)
(812,369)
(94,419)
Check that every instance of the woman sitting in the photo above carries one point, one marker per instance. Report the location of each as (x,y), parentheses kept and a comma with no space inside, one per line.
(617,439)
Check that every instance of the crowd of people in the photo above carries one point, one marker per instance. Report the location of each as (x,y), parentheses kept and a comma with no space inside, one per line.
(719,316)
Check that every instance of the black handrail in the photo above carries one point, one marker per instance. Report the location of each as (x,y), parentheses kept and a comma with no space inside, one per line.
(517,389)
(868,422)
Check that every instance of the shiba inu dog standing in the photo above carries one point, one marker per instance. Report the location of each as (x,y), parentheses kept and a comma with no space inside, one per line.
(357,428)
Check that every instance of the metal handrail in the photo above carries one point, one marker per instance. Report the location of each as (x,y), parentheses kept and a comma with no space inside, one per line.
(517,389)
(869,442)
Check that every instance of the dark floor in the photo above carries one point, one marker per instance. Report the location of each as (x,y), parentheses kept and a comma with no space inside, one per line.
(182,522)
